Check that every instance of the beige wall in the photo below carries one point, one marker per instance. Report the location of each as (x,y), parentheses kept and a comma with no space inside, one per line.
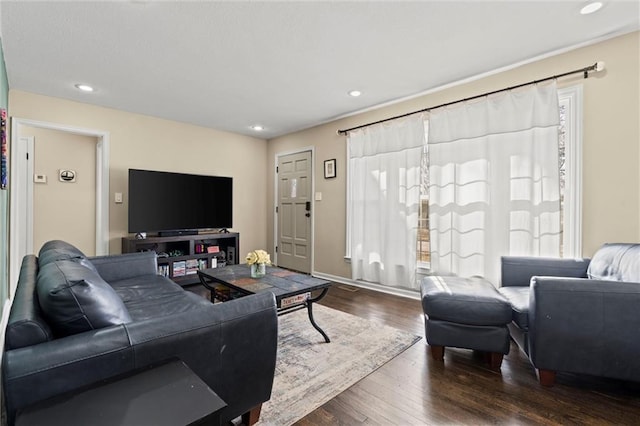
(138,141)
(64,210)
(611,181)
(611,178)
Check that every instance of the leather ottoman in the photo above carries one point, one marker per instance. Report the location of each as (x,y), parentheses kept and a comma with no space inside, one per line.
(465,313)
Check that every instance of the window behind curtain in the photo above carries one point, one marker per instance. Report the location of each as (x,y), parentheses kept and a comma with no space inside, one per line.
(570,148)
(383,201)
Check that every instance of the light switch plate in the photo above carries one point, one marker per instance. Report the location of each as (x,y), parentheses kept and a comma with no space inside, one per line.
(318,196)
(118,197)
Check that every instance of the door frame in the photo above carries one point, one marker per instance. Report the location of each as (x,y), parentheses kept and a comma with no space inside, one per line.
(19,225)
(313,201)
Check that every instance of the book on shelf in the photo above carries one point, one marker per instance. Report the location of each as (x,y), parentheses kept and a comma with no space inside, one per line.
(179,268)
(213,249)
(191,266)
(163,270)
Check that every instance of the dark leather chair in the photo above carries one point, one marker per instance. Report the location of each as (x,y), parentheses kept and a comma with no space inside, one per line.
(577,315)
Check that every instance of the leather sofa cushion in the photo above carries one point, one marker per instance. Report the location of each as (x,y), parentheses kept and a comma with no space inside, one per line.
(145,287)
(519,299)
(55,250)
(156,296)
(616,262)
(472,301)
(166,305)
(74,298)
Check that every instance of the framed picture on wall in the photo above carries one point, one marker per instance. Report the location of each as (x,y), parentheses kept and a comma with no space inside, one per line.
(330,168)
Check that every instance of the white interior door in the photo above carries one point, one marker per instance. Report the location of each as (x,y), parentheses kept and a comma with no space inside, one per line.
(25,157)
(294,211)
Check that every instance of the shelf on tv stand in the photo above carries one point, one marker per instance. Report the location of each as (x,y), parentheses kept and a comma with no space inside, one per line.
(228,242)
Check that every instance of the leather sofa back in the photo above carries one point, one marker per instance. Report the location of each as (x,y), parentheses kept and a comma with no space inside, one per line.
(616,262)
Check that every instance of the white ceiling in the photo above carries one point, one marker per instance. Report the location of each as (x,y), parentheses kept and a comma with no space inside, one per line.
(284,65)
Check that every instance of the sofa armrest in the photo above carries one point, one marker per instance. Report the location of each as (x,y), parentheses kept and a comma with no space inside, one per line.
(122,266)
(37,372)
(518,270)
(231,346)
(585,326)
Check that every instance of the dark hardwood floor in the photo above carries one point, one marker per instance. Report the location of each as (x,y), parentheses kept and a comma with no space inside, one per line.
(412,389)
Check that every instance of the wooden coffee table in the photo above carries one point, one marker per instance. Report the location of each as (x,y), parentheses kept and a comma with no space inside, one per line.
(293,290)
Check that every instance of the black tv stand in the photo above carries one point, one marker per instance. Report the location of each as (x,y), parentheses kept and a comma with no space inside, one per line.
(178,233)
(181,256)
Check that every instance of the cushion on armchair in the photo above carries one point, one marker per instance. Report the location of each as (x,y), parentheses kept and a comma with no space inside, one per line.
(616,262)
(74,298)
(518,297)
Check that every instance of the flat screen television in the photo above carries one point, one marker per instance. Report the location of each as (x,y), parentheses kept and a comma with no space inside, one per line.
(177,203)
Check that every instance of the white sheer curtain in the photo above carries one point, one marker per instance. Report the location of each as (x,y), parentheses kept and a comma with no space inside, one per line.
(384,194)
(494,184)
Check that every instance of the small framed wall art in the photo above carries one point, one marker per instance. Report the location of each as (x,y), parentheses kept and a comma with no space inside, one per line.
(330,168)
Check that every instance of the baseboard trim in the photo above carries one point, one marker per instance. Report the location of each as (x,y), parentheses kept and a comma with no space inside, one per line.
(410,294)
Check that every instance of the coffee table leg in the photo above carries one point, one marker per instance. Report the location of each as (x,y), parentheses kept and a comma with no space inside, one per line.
(310,311)
(205,284)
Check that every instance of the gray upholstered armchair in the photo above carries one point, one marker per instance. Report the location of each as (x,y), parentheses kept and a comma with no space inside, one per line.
(577,315)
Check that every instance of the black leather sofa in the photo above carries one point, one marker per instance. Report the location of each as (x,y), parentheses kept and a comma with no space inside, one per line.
(76,321)
(577,315)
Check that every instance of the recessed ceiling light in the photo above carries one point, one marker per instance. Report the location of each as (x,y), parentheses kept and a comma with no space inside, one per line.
(84,87)
(355,93)
(591,7)
(257,128)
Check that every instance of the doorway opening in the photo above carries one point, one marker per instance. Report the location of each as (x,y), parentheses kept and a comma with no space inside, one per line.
(21,195)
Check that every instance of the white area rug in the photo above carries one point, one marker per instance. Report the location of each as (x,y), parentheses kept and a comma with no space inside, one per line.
(310,372)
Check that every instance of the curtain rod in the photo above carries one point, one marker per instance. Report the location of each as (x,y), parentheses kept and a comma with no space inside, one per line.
(598,66)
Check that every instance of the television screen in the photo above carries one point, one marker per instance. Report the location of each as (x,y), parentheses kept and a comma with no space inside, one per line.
(165,201)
